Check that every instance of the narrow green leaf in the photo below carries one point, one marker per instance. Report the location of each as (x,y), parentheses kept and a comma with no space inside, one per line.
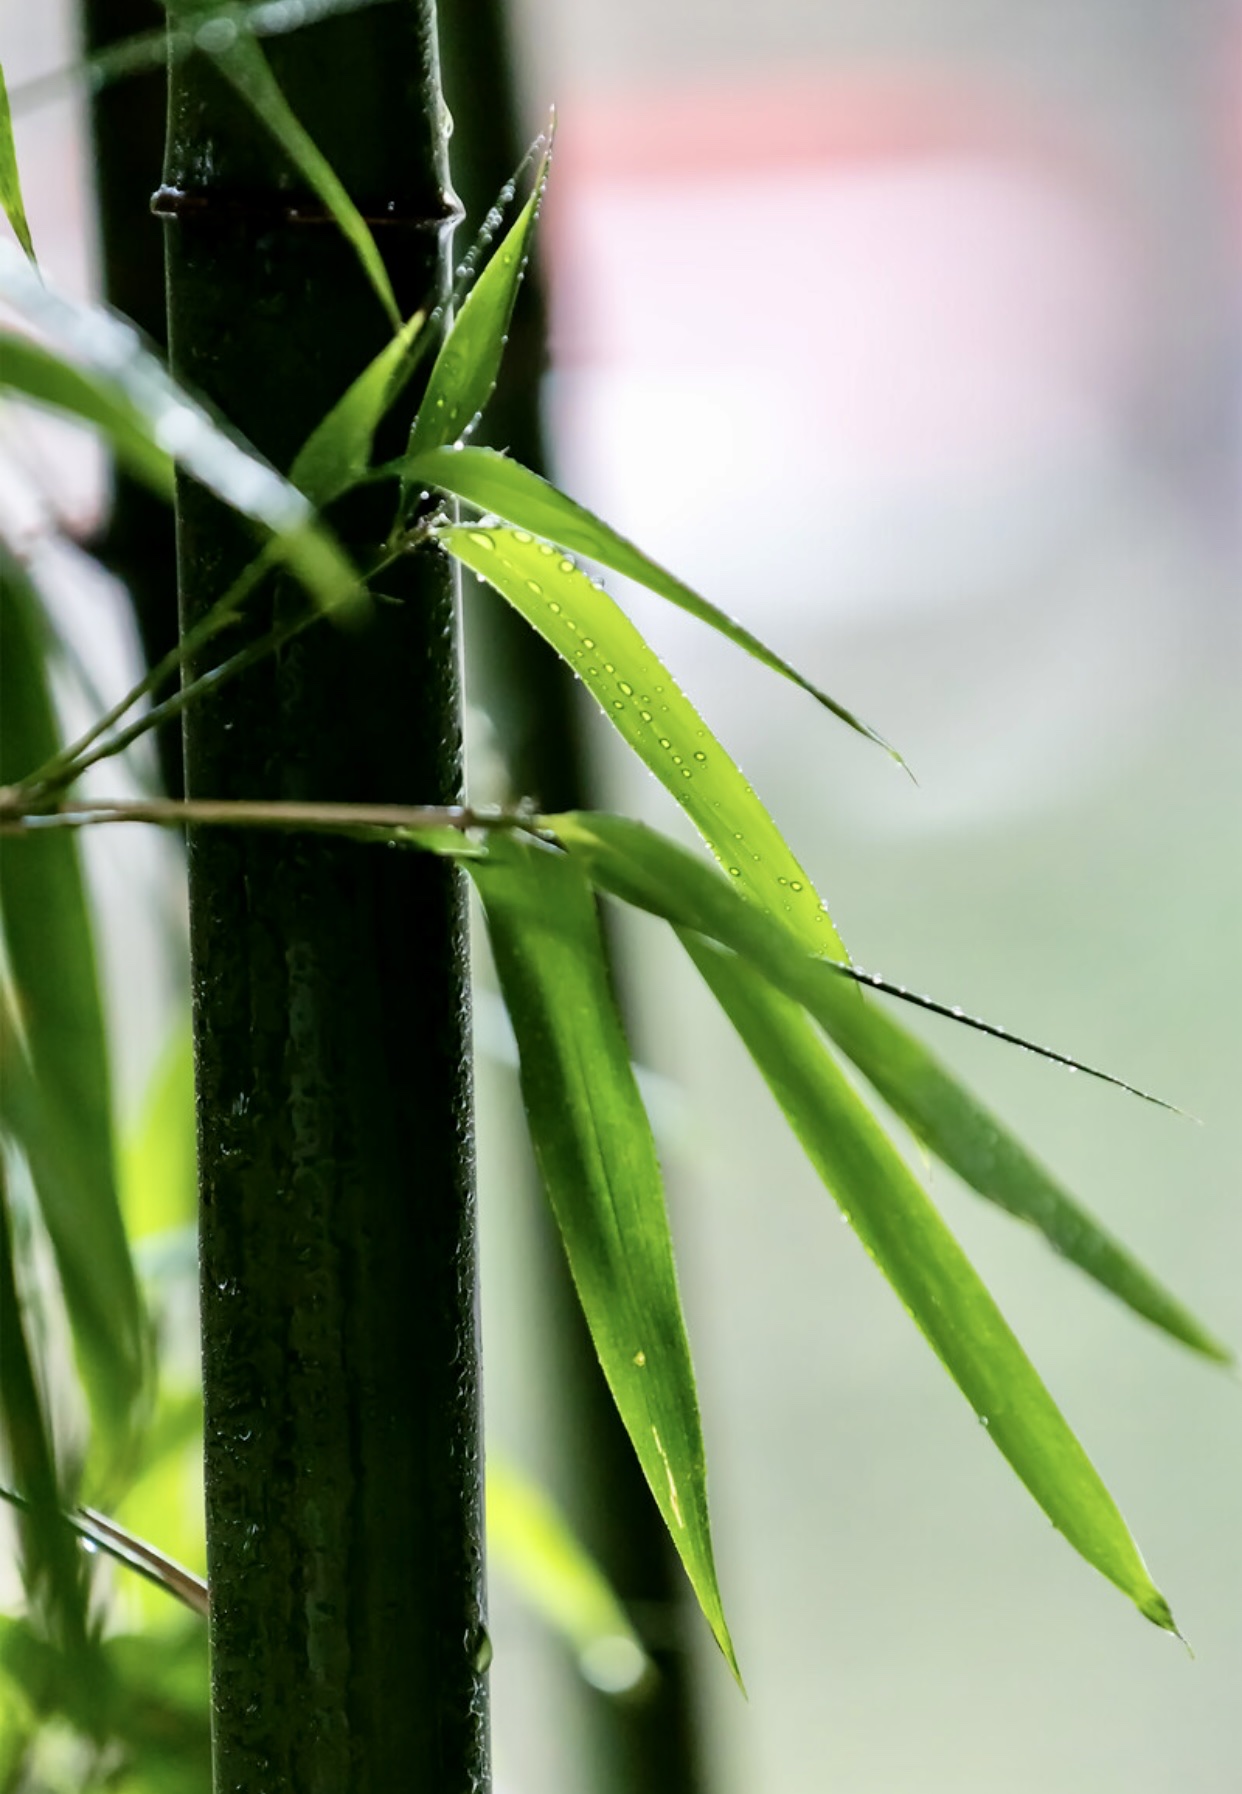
(530,1540)
(54,1081)
(34,373)
(338,452)
(643,868)
(640,698)
(464,372)
(595,1151)
(902,1231)
(132,390)
(52,1570)
(493,483)
(243,64)
(10,179)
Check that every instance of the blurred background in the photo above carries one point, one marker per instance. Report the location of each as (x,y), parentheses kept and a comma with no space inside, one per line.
(912,336)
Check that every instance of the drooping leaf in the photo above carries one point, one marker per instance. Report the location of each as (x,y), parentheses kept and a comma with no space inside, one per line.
(595,1151)
(492,483)
(243,64)
(36,374)
(10,178)
(640,698)
(464,372)
(643,868)
(133,389)
(338,452)
(905,1236)
(52,1569)
(54,1077)
(531,1542)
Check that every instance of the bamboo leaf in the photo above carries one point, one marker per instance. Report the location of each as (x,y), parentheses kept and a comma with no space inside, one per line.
(464,372)
(904,1234)
(640,698)
(243,64)
(493,483)
(54,1079)
(338,452)
(34,373)
(131,389)
(52,1569)
(530,1541)
(643,868)
(10,178)
(594,1147)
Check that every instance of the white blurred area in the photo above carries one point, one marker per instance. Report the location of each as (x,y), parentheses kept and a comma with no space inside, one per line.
(912,335)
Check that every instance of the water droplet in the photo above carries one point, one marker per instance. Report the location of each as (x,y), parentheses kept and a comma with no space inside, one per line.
(640,1359)
(554,607)
(735,871)
(984,1420)
(587,642)
(546,548)
(665,742)
(618,703)
(522,535)
(626,688)
(532,585)
(794,885)
(646,715)
(699,756)
(482,538)
(566,566)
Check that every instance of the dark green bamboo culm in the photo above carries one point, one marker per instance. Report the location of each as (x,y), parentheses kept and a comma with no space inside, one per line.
(649,1742)
(128,122)
(343,1466)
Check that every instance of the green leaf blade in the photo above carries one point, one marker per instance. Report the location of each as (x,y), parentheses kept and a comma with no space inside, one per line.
(463,374)
(10,176)
(337,453)
(595,1151)
(640,698)
(110,379)
(492,483)
(905,1236)
(641,867)
(54,1070)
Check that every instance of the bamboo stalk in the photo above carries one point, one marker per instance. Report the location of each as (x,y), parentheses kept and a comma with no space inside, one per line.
(343,1465)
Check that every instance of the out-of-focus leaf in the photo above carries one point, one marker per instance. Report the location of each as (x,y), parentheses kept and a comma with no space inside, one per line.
(53,1570)
(643,868)
(54,1078)
(337,454)
(109,355)
(243,64)
(157,1156)
(593,1144)
(530,1540)
(902,1231)
(173,43)
(493,483)
(465,370)
(10,179)
(34,373)
(640,698)
(148,1712)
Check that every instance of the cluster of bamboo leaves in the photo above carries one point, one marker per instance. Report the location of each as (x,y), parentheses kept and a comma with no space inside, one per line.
(749,919)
